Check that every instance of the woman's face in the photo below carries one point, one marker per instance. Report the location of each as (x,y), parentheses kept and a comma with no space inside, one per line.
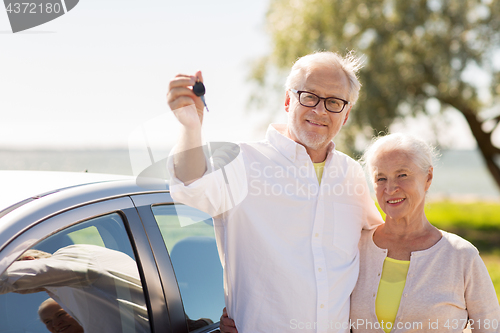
(400,185)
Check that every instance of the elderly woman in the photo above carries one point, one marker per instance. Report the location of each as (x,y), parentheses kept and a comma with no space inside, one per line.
(414,277)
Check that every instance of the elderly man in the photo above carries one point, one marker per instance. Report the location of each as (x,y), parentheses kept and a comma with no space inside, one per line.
(53,316)
(288,210)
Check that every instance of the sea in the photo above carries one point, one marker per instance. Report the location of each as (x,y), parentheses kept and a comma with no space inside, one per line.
(458,175)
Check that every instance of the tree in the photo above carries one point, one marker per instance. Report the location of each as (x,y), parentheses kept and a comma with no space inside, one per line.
(416,51)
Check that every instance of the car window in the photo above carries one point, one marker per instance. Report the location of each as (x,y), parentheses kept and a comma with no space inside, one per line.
(189,237)
(81,279)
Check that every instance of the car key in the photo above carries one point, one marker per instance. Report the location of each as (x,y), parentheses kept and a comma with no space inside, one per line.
(199,90)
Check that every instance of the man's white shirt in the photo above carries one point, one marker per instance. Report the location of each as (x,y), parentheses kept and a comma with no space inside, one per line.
(288,245)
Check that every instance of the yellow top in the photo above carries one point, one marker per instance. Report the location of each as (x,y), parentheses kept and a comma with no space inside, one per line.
(390,291)
(318,167)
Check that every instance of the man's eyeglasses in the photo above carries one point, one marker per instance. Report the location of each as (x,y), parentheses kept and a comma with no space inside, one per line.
(310,100)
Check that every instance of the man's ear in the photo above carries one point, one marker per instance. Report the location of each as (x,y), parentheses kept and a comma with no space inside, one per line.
(347,114)
(287,100)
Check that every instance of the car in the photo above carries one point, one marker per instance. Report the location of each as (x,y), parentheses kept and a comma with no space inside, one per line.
(170,248)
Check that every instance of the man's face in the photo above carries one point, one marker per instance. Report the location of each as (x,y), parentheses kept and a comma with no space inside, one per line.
(57,320)
(315,127)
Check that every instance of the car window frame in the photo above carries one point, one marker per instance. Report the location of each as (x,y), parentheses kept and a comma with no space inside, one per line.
(144,204)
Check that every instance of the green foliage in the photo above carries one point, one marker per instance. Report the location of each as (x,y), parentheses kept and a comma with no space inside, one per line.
(89,235)
(478,222)
(493,265)
(172,232)
(415,49)
(474,215)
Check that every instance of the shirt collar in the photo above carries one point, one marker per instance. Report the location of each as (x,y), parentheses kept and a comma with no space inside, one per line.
(286,146)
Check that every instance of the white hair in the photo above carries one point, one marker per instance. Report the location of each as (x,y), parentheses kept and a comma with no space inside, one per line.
(350,64)
(421,153)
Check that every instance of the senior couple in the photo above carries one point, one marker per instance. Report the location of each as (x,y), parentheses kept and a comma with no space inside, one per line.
(291,261)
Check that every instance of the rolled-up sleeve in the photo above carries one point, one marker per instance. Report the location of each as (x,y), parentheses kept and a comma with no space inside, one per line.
(57,271)
(222,187)
(371,215)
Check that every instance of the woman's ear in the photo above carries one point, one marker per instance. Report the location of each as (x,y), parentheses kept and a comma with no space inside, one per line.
(430,174)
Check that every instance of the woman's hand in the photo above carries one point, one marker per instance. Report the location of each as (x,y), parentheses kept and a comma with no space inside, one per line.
(227,325)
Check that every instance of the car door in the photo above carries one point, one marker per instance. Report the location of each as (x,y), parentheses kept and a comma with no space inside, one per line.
(99,268)
(183,238)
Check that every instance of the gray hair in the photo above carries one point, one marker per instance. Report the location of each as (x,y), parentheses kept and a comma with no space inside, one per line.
(350,64)
(421,153)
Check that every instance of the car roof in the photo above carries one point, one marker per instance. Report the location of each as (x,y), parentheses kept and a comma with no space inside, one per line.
(80,190)
(19,185)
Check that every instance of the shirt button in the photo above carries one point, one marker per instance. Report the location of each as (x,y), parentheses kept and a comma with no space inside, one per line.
(378,274)
(406,295)
(316,235)
(374,294)
(322,306)
(319,269)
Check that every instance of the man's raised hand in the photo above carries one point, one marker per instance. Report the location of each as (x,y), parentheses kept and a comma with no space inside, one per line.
(187,107)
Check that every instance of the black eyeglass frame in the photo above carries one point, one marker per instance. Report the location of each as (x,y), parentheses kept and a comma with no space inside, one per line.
(299,92)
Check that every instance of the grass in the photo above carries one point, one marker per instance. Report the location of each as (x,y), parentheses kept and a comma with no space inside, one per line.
(478,222)
(493,265)
(476,215)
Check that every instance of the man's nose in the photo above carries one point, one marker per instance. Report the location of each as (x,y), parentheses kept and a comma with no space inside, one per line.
(320,108)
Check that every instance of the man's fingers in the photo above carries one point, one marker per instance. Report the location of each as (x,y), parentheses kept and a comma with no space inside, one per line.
(180,94)
(182,81)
